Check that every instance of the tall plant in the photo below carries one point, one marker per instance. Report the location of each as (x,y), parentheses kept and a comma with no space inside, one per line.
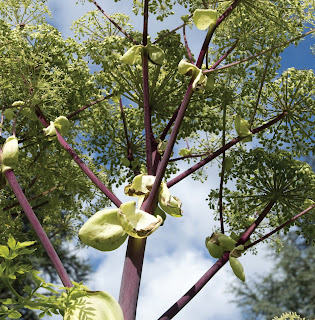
(71,135)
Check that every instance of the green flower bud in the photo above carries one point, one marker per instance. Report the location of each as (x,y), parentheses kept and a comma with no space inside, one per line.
(227,243)
(103,231)
(10,153)
(156,55)
(237,268)
(242,129)
(137,223)
(214,250)
(62,124)
(132,55)
(93,305)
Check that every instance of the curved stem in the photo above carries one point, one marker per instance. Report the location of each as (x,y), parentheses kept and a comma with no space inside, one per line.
(81,164)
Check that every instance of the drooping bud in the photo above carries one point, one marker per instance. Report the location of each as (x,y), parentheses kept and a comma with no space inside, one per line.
(169,203)
(237,268)
(10,153)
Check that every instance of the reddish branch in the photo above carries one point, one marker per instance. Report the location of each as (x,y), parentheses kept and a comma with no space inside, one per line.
(187,46)
(261,53)
(221,150)
(113,22)
(71,115)
(180,304)
(80,162)
(280,227)
(38,228)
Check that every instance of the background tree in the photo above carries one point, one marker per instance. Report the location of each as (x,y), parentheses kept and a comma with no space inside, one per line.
(120,124)
(286,288)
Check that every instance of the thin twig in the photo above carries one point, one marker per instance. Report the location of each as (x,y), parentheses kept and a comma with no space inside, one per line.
(114,23)
(71,115)
(187,46)
(38,228)
(280,227)
(260,90)
(260,53)
(221,150)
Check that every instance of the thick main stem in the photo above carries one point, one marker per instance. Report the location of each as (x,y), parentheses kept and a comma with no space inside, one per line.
(38,228)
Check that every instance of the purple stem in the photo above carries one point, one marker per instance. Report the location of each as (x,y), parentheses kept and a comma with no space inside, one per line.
(129,150)
(221,150)
(180,304)
(187,46)
(189,295)
(71,115)
(280,227)
(131,277)
(38,228)
(130,282)
(224,55)
(114,23)
(262,52)
(81,164)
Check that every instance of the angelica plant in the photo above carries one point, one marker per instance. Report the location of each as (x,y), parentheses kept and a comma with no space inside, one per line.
(73,135)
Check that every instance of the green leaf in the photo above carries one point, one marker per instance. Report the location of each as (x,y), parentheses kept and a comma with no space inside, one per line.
(18,103)
(24,244)
(125,162)
(133,55)
(141,185)
(103,231)
(210,82)
(205,18)
(4,252)
(9,114)
(14,314)
(242,129)
(237,268)
(137,223)
(29,113)
(11,242)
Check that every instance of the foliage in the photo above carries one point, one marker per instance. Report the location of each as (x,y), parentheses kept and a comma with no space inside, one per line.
(287,287)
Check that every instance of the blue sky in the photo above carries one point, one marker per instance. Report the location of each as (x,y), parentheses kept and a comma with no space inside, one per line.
(175,255)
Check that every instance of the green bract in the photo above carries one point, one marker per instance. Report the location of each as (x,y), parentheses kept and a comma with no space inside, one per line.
(226,242)
(103,231)
(29,113)
(156,55)
(237,268)
(140,186)
(200,82)
(10,153)
(61,123)
(137,223)
(168,203)
(214,250)
(133,55)
(205,18)
(93,305)
(242,129)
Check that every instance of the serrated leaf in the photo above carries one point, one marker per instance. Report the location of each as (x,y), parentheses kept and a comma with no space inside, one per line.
(24,244)
(237,268)
(205,18)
